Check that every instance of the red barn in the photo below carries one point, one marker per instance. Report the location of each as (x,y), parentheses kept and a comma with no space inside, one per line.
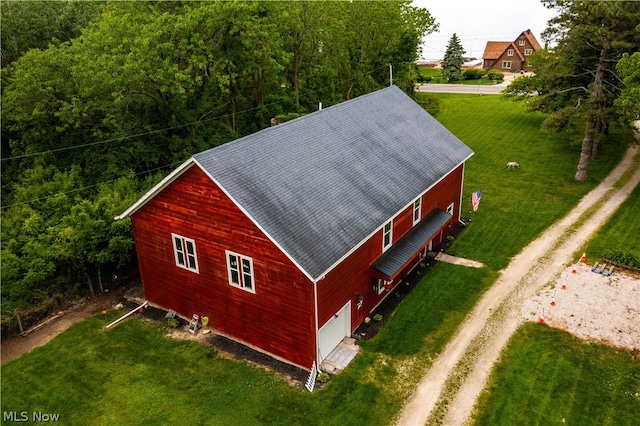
(288,238)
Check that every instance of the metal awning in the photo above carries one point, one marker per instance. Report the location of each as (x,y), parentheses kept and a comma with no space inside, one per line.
(394,259)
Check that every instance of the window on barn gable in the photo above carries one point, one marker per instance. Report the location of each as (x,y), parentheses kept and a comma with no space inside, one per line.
(521,42)
(387,235)
(184,251)
(240,271)
(416,211)
(528,52)
(506,65)
(510,52)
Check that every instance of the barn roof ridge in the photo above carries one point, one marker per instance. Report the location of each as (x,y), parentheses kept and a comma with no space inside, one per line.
(320,185)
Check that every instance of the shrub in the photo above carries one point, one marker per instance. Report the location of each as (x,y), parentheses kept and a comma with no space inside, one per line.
(495,75)
(473,73)
(323,377)
(377,317)
(423,78)
(172,322)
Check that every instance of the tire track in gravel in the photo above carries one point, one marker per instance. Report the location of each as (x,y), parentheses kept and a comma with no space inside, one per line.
(449,390)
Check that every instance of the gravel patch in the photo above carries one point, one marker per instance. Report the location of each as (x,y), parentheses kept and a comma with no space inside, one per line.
(593,307)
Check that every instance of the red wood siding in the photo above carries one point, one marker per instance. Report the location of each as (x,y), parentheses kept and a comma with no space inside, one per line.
(354,275)
(278,318)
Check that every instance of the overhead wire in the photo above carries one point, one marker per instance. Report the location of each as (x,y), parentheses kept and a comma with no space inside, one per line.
(308,93)
(150,132)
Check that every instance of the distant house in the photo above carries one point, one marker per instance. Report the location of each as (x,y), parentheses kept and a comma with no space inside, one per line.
(287,239)
(508,56)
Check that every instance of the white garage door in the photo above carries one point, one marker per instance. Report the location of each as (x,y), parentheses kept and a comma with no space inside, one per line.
(332,333)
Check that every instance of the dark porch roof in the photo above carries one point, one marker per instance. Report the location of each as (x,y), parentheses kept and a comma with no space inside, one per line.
(399,254)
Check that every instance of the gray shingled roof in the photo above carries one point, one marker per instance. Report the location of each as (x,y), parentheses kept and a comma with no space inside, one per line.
(321,184)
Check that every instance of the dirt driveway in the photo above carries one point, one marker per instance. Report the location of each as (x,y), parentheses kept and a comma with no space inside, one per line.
(448,391)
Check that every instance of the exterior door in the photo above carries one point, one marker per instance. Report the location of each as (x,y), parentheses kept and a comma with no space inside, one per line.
(334,330)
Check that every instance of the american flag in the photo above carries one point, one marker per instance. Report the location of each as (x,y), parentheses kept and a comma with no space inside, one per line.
(475,199)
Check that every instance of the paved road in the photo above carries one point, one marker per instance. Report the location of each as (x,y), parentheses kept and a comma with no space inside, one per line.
(468,88)
(461,88)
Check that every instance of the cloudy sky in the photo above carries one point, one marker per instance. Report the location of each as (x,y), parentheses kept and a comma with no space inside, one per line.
(477,21)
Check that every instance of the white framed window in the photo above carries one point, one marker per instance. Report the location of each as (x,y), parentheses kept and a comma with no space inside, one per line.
(510,52)
(184,251)
(506,64)
(521,42)
(416,211)
(240,271)
(450,209)
(380,287)
(528,52)
(387,235)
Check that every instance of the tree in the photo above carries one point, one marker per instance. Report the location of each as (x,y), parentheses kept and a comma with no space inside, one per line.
(36,24)
(577,82)
(453,60)
(629,100)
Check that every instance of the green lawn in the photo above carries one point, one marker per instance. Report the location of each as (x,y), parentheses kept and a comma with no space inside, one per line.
(516,204)
(546,376)
(621,233)
(90,376)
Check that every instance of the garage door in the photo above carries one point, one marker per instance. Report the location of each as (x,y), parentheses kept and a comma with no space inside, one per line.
(332,333)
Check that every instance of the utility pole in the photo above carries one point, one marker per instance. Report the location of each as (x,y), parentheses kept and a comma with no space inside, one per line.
(390,75)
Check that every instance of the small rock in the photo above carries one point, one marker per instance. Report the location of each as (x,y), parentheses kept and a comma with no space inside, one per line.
(119,305)
(207,331)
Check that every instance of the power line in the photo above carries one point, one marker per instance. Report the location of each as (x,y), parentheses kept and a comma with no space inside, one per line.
(308,93)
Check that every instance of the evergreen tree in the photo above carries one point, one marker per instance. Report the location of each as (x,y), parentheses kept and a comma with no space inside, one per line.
(452,62)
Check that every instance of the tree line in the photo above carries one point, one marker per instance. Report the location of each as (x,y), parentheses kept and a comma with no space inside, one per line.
(101,100)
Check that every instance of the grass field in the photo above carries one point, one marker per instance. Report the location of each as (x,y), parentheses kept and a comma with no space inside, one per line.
(516,204)
(621,233)
(133,373)
(546,376)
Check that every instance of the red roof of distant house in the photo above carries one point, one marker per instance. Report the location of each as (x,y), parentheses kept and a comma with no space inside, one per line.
(494,49)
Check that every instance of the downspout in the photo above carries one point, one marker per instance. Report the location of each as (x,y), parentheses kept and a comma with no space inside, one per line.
(315,314)
(464,165)
(126,315)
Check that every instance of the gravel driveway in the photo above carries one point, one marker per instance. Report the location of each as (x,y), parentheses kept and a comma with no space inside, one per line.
(460,372)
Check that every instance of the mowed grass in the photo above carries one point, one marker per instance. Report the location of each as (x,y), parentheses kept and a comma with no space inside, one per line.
(621,233)
(547,376)
(92,376)
(517,204)
(134,373)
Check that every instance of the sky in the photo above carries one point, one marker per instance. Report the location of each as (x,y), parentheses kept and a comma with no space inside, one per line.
(477,21)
